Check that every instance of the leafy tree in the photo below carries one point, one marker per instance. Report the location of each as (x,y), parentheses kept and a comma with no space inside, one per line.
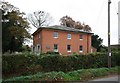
(26,48)
(104,49)
(14,28)
(69,22)
(97,42)
(39,18)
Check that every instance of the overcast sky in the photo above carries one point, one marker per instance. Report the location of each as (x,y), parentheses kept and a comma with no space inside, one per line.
(91,12)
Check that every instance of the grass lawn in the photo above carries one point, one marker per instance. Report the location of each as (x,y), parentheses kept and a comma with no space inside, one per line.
(77,75)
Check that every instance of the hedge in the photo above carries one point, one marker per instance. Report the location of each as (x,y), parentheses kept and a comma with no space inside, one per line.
(69,63)
(22,64)
(25,64)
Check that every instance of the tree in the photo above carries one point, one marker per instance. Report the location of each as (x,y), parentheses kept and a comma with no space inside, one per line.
(78,25)
(26,48)
(69,22)
(87,28)
(14,28)
(97,42)
(39,18)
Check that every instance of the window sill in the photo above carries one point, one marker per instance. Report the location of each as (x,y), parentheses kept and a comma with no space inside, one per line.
(69,51)
(55,37)
(81,51)
(81,39)
(55,50)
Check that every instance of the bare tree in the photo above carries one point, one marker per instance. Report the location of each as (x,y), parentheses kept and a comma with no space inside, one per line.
(67,21)
(87,28)
(7,7)
(78,25)
(39,18)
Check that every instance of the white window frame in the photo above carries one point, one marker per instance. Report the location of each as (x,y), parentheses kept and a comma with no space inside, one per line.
(55,50)
(55,34)
(70,48)
(80,37)
(81,51)
(69,36)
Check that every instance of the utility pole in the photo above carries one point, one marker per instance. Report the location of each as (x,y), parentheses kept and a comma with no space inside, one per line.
(109,47)
(119,22)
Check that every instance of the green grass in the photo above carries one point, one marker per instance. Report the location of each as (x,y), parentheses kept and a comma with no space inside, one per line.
(77,75)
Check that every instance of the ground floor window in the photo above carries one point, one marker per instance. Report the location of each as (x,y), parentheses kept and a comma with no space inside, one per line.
(38,48)
(69,48)
(81,48)
(55,47)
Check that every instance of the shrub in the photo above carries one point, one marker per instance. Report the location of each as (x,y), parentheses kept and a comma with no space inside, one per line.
(24,64)
(50,52)
(69,63)
(20,64)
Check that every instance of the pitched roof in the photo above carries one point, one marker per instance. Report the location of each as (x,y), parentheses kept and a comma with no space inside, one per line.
(63,28)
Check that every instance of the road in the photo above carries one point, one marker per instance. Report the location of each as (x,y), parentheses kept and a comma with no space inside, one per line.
(112,78)
(109,79)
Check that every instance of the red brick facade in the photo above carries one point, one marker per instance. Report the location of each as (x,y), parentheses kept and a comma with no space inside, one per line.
(44,40)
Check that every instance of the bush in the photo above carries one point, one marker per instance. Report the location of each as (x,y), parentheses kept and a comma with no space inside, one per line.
(50,52)
(24,64)
(69,63)
(20,64)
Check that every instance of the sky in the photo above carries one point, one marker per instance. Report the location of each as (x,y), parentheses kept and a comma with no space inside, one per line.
(91,12)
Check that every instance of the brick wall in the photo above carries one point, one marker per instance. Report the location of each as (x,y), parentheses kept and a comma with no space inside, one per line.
(47,41)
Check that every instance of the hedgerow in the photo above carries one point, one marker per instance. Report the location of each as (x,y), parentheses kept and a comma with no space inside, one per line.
(25,64)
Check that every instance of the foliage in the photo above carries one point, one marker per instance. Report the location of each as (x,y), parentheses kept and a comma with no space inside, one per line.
(14,28)
(49,52)
(24,64)
(69,22)
(77,75)
(104,49)
(20,64)
(113,49)
(39,19)
(97,42)
(26,48)
(69,63)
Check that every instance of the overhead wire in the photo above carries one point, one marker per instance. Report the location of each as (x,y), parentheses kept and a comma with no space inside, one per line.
(116,11)
(115,7)
(99,13)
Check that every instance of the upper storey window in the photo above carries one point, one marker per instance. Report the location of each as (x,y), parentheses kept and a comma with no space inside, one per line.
(81,37)
(69,36)
(55,34)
